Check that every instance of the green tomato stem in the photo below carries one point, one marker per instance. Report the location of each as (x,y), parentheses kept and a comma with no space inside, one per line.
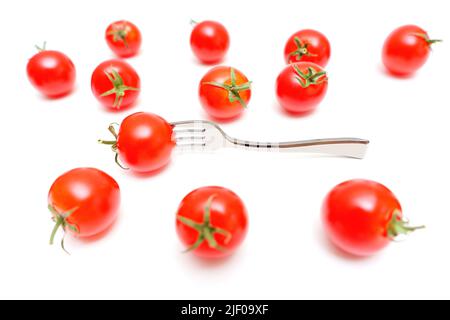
(206,230)
(398,226)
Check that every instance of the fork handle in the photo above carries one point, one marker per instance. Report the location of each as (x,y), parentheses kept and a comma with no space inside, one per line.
(340,147)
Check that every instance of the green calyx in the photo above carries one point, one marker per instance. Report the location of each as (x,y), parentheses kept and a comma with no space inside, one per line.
(302,50)
(206,230)
(119,33)
(398,226)
(312,77)
(113,144)
(233,88)
(43,48)
(60,220)
(119,88)
(429,41)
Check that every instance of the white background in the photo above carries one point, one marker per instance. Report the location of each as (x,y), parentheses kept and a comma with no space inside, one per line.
(285,254)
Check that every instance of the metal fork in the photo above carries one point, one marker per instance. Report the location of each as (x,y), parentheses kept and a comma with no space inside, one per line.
(200,135)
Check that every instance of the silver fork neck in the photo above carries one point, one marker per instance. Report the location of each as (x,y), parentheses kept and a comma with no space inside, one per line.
(342,147)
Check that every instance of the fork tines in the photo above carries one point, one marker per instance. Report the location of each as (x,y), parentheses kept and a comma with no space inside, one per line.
(189,137)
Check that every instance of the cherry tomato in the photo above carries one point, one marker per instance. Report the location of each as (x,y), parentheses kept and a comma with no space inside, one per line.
(83,202)
(115,84)
(362,217)
(212,222)
(308,46)
(52,73)
(123,38)
(406,50)
(209,41)
(144,142)
(224,92)
(301,87)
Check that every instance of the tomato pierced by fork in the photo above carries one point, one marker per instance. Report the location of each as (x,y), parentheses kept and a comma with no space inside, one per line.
(143,144)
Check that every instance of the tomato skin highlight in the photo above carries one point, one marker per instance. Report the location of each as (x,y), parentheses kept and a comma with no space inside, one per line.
(292,96)
(145,142)
(404,51)
(228,212)
(210,41)
(123,38)
(94,195)
(216,100)
(52,73)
(318,47)
(356,215)
(100,84)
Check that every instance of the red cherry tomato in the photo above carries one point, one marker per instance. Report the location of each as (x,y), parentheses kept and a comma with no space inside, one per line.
(308,46)
(83,202)
(301,87)
(115,84)
(406,50)
(52,73)
(212,222)
(123,38)
(209,41)
(362,217)
(224,92)
(144,142)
